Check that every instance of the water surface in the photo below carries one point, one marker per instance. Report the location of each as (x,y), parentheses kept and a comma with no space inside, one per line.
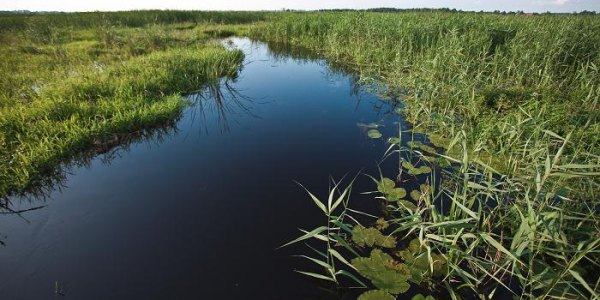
(198,213)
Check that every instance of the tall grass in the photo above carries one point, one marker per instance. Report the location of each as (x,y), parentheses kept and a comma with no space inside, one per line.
(84,20)
(488,73)
(514,102)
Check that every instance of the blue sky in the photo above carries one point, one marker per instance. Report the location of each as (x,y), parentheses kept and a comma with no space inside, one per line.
(488,5)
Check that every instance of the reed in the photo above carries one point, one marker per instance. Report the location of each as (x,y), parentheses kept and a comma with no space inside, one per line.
(512,203)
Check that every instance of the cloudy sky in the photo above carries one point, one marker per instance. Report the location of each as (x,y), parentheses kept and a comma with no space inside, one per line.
(488,5)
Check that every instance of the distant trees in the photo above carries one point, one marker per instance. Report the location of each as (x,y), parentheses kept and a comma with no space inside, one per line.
(450,10)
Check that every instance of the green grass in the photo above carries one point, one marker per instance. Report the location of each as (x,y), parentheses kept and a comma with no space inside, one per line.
(75,83)
(514,101)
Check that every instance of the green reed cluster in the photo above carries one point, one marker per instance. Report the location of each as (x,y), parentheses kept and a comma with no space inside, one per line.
(512,202)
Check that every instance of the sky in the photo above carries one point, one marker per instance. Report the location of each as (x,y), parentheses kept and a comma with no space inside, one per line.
(474,5)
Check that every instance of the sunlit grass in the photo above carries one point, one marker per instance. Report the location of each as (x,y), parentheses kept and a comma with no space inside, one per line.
(71,86)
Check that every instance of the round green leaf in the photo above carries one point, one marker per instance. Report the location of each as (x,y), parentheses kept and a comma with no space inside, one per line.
(374,134)
(376,295)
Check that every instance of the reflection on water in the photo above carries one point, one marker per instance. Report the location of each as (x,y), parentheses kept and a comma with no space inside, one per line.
(219,99)
(196,209)
(223,100)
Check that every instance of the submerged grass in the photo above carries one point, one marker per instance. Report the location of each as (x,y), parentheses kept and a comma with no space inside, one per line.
(73,84)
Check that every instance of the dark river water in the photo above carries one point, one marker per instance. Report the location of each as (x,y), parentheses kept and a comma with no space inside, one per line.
(199,211)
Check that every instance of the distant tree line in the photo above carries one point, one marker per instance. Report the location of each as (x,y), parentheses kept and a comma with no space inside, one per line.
(454,10)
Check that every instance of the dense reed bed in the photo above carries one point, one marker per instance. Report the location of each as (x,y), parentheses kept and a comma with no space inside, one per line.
(74,83)
(478,70)
(512,203)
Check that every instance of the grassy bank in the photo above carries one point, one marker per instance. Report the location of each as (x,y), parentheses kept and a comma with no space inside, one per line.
(515,102)
(76,83)
(498,77)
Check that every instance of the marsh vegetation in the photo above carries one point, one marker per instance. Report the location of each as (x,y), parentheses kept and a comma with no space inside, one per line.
(489,190)
(513,100)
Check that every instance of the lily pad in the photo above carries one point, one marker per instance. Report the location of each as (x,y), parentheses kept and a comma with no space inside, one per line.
(394,140)
(415,195)
(407,165)
(424,170)
(407,205)
(385,185)
(376,295)
(417,260)
(369,237)
(384,272)
(374,134)
(421,297)
(388,188)
(395,194)
(412,170)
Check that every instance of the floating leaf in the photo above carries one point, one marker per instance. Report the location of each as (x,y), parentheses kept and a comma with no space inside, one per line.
(430,159)
(442,162)
(374,134)
(417,260)
(419,170)
(414,144)
(385,185)
(370,237)
(425,169)
(369,126)
(421,297)
(420,145)
(415,195)
(394,140)
(414,246)
(407,205)
(395,194)
(381,224)
(428,148)
(408,165)
(388,188)
(439,264)
(376,295)
(384,272)
(422,192)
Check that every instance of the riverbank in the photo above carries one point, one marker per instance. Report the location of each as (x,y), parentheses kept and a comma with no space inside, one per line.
(77,83)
